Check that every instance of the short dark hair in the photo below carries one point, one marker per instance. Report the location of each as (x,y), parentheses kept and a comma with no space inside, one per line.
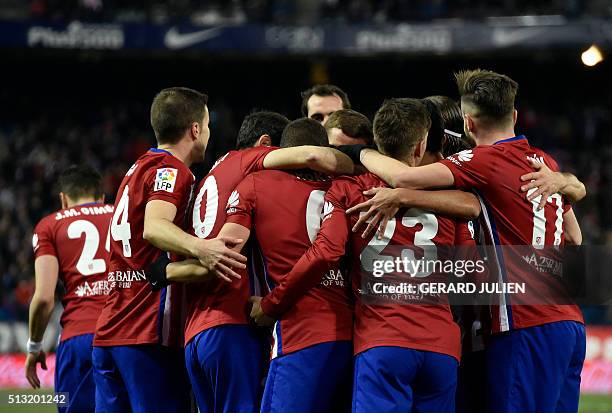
(351,123)
(446,114)
(80,181)
(490,94)
(324,90)
(261,123)
(174,110)
(304,131)
(399,125)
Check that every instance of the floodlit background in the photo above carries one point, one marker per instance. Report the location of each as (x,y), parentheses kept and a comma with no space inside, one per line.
(78,77)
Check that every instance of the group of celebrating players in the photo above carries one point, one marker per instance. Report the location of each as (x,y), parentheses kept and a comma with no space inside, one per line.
(246,292)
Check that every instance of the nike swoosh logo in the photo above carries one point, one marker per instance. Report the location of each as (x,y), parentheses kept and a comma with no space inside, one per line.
(510,37)
(176,40)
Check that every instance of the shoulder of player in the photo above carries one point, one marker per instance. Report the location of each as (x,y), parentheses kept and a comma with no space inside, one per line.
(168,168)
(48,220)
(351,187)
(256,150)
(501,146)
(369,179)
(275,174)
(224,159)
(232,160)
(344,182)
(76,212)
(484,150)
(159,159)
(172,162)
(237,155)
(147,164)
(223,165)
(543,156)
(270,180)
(362,182)
(481,155)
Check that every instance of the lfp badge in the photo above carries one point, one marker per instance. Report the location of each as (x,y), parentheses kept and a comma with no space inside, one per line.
(165,179)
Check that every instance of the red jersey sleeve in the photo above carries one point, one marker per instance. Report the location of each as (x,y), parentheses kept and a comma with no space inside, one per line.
(42,239)
(169,183)
(327,249)
(241,203)
(471,168)
(252,160)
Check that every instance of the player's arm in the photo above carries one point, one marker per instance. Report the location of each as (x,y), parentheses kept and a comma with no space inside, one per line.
(240,215)
(472,170)
(571,228)
(46,268)
(385,203)
(189,270)
(399,175)
(548,182)
(324,253)
(326,160)
(160,230)
(215,254)
(235,231)
(162,272)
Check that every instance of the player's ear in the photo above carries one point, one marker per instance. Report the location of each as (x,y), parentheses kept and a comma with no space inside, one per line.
(63,200)
(264,140)
(468,122)
(419,151)
(514,116)
(195,131)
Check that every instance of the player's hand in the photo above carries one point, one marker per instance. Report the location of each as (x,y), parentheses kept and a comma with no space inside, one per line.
(32,360)
(217,254)
(378,210)
(199,272)
(257,314)
(542,182)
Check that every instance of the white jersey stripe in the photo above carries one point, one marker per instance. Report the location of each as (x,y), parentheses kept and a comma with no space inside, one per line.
(504,324)
(165,338)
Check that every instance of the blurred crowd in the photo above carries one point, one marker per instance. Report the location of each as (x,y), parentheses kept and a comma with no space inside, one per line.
(33,151)
(296,11)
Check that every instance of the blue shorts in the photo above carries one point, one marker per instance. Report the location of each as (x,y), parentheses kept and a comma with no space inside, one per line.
(74,373)
(536,369)
(316,379)
(140,378)
(226,368)
(396,379)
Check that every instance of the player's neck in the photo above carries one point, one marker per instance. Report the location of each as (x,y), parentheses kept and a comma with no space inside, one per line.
(492,136)
(81,201)
(429,158)
(178,151)
(408,160)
